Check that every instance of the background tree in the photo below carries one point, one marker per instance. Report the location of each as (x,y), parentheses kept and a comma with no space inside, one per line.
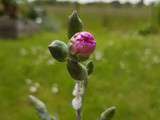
(156,14)
(10,8)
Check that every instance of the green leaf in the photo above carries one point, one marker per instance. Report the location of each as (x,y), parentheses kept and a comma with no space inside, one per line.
(108,113)
(40,107)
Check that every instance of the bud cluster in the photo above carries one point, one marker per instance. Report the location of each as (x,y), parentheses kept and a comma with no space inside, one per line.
(81,45)
(78,50)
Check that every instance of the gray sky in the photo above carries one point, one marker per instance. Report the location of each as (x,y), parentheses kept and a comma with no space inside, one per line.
(122,1)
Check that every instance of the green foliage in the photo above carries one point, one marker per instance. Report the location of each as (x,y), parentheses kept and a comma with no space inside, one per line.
(32,13)
(148,29)
(10,2)
(10,8)
(108,114)
(154,25)
(157,14)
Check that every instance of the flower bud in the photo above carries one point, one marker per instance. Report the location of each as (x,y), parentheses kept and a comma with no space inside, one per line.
(82,44)
(77,70)
(58,50)
(75,24)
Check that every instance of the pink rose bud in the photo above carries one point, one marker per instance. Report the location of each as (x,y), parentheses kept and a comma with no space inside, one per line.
(82,44)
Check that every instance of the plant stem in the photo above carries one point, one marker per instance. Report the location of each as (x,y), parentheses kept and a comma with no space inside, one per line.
(79,114)
(79,111)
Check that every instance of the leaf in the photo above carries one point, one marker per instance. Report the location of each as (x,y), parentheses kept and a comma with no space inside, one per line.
(108,113)
(40,107)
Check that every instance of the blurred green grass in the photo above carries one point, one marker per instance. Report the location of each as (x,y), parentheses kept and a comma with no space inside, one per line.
(127,75)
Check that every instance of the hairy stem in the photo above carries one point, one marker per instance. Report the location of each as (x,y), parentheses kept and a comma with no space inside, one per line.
(79,111)
(40,107)
(79,114)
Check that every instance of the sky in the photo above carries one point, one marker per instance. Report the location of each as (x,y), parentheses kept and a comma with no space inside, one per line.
(122,1)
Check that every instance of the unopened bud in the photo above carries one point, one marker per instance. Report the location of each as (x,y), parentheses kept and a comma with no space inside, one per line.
(82,45)
(75,24)
(59,50)
(76,70)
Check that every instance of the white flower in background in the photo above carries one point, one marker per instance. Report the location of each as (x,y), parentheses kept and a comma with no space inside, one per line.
(122,65)
(30,0)
(98,55)
(39,20)
(55,89)
(23,51)
(50,62)
(156,59)
(147,51)
(33,89)
(77,103)
(28,81)
(147,54)
(37,84)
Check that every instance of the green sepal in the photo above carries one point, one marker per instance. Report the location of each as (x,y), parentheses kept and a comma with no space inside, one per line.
(90,67)
(82,59)
(78,58)
(59,50)
(108,113)
(75,24)
(77,70)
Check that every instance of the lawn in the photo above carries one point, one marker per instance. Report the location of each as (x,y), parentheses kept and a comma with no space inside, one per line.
(127,67)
